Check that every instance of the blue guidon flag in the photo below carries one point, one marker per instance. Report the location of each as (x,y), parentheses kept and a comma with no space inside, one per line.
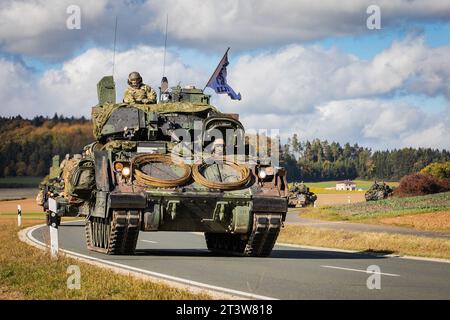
(218,80)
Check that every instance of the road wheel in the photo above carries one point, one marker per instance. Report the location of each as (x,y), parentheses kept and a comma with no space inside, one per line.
(98,233)
(116,234)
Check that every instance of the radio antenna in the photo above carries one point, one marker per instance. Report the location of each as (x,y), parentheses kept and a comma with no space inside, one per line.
(165,46)
(114,51)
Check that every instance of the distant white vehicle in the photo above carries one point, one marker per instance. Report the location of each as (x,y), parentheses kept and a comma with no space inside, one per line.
(346,185)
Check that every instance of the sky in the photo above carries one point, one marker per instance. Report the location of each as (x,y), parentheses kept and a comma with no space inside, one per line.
(303,67)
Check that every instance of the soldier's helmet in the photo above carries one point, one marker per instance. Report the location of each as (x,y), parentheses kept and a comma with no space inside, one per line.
(134,79)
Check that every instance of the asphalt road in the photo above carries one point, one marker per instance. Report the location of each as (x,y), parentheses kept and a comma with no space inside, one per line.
(289,273)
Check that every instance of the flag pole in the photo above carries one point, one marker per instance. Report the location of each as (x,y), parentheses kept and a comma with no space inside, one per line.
(215,70)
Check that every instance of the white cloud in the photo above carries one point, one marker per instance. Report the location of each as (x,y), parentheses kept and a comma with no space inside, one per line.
(372,123)
(296,79)
(16,89)
(38,27)
(71,89)
(435,135)
(291,79)
(388,70)
(315,92)
(254,23)
(369,122)
(335,96)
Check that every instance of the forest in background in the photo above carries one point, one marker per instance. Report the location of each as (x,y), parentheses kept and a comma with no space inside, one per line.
(318,160)
(28,146)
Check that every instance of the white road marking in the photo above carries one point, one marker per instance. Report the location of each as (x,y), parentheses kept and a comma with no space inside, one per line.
(282,244)
(29,235)
(365,271)
(405,257)
(150,241)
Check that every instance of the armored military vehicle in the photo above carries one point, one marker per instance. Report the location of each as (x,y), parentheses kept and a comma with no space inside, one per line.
(378,191)
(139,175)
(300,196)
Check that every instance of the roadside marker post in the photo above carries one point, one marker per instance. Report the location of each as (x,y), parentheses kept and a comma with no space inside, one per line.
(53,226)
(19,215)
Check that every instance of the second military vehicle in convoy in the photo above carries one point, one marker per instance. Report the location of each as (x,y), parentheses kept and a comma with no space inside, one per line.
(378,191)
(300,196)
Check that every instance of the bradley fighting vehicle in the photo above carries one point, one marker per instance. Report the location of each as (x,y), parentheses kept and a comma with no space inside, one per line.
(378,191)
(137,176)
(300,196)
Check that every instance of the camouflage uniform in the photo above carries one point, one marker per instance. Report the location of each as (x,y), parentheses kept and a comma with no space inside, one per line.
(143,94)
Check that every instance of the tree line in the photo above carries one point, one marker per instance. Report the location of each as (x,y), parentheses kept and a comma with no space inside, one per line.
(28,145)
(319,160)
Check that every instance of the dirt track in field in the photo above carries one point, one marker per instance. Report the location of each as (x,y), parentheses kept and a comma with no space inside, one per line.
(331,199)
(28,205)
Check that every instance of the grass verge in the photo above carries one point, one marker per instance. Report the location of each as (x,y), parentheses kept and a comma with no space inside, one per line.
(434,221)
(29,273)
(438,221)
(366,241)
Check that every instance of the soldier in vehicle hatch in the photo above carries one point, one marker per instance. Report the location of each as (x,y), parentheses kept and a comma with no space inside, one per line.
(138,92)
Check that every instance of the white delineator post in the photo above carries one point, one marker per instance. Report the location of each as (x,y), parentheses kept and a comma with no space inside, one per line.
(54,242)
(19,215)
(54,246)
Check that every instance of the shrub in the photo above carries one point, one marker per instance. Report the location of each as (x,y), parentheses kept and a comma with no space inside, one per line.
(438,169)
(418,184)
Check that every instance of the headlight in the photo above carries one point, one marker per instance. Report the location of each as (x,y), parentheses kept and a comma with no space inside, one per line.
(126,171)
(262,174)
(118,166)
(266,173)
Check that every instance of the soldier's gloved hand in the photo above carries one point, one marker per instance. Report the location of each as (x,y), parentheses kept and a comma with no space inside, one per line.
(144,101)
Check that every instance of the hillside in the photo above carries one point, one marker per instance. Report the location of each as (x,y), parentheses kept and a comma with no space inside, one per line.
(28,145)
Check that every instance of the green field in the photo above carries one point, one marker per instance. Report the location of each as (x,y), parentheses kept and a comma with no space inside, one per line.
(392,207)
(20,182)
(360,184)
(325,186)
(363,184)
